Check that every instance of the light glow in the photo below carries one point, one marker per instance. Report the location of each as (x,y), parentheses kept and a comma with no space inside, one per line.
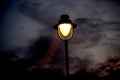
(65,28)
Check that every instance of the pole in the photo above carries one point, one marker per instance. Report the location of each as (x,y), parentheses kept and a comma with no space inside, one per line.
(67,59)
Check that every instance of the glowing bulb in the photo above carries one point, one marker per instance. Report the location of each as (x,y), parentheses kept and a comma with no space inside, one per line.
(65,28)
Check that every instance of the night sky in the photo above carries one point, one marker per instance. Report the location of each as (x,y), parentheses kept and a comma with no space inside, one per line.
(27,33)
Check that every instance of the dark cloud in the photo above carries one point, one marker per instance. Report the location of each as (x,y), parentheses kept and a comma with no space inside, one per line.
(28,31)
(117,1)
(94,42)
(113,1)
(4,5)
(35,11)
(39,48)
(27,8)
(96,38)
(92,27)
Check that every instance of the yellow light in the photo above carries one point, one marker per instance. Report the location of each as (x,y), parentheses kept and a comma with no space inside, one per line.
(65,31)
(65,28)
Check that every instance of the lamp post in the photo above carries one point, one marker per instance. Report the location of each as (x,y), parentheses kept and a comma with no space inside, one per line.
(65,30)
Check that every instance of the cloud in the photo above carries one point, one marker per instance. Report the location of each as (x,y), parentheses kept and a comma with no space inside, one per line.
(96,36)
(44,10)
(94,42)
(97,32)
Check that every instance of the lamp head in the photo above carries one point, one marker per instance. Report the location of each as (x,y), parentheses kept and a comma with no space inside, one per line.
(65,28)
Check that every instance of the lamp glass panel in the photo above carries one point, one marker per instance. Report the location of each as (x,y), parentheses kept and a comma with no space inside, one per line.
(65,31)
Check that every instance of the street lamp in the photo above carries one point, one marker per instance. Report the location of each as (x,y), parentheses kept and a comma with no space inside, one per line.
(65,30)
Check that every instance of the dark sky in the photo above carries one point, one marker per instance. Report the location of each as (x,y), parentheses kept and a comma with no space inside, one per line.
(97,36)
